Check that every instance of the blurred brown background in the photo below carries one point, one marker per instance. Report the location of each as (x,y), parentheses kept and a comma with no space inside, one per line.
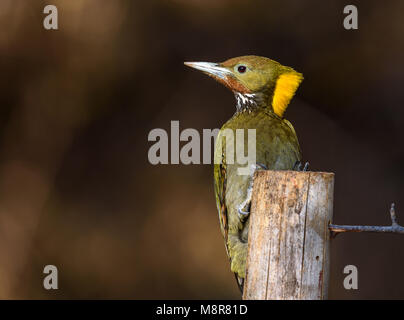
(77,104)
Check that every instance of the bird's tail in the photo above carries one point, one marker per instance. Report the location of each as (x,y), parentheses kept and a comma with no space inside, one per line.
(240,282)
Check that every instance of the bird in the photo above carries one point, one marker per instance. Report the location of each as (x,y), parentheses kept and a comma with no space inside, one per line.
(263,89)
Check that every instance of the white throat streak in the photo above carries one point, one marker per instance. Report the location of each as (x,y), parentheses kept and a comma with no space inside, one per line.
(245,101)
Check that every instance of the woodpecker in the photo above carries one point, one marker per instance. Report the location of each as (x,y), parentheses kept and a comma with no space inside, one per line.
(263,89)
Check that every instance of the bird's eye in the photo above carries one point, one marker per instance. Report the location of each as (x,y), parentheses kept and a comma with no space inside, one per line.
(241,69)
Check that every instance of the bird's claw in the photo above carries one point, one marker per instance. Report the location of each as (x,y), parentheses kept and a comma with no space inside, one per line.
(243,212)
(298,166)
(260,166)
(243,209)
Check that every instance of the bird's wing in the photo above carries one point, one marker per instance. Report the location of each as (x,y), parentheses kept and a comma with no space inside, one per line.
(296,145)
(220,177)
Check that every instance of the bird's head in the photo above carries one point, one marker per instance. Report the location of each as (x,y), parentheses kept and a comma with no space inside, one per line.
(255,81)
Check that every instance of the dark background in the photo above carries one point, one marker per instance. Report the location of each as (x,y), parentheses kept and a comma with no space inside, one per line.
(77,104)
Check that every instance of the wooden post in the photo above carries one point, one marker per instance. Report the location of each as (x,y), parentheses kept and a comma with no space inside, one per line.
(288,241)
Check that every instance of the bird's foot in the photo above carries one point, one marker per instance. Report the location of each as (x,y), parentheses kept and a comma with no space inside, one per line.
(260,166)
(244,208)
(298,166)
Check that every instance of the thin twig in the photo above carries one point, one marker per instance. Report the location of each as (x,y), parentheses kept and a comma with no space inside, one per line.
(394,228)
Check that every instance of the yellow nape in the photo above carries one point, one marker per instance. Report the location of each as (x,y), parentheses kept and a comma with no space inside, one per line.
(285,88)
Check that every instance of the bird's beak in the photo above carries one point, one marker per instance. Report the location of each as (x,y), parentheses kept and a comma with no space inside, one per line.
(210,68)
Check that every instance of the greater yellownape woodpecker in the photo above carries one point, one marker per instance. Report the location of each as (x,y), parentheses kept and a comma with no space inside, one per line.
(263,89)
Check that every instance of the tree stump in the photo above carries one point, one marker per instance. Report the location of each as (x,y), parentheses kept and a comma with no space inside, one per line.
(288,244)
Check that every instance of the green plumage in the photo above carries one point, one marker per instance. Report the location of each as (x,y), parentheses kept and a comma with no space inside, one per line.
(263,89)
(277,148)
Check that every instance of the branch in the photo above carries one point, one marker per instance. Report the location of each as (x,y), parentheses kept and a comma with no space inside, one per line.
(394,228)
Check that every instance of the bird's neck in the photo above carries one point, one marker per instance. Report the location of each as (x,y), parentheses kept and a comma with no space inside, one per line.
(248,102)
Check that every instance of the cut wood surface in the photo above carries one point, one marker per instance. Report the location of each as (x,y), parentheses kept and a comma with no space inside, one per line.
(288,245)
